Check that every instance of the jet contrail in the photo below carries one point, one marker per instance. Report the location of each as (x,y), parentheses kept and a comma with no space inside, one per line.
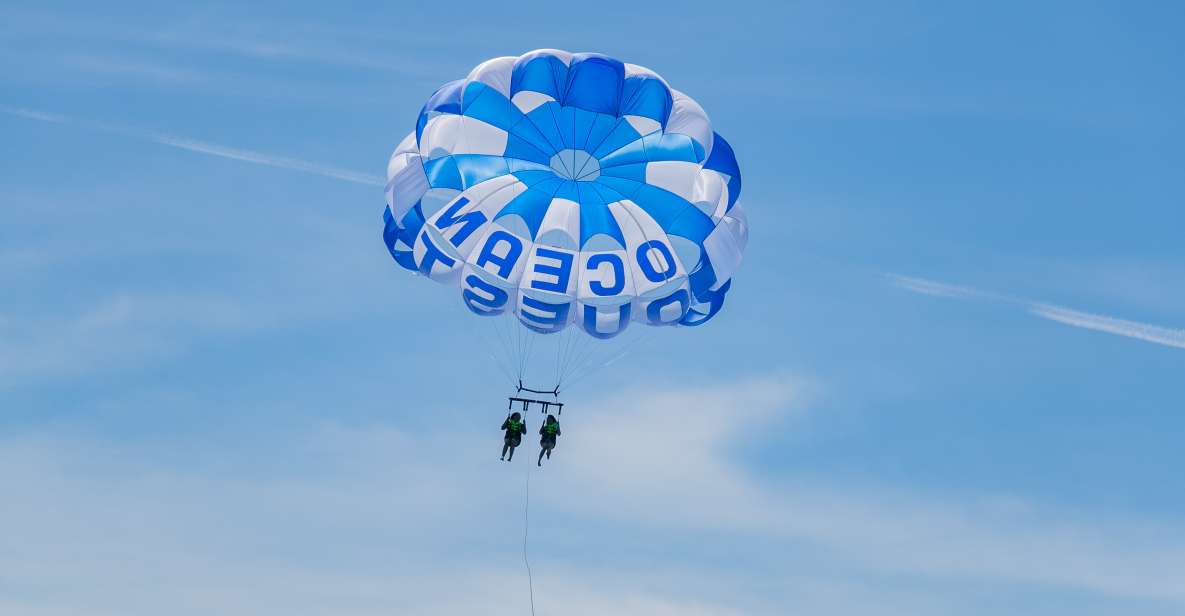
(201,147)
(936,289)
(1066,316)
(1132,329)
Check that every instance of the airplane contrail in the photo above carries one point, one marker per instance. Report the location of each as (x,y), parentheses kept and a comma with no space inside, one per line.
(202,147)
(1146,332)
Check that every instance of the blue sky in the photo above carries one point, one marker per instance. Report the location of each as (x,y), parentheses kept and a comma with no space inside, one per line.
(948,379)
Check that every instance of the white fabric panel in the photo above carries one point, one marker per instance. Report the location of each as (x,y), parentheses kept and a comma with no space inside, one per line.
(481,191)
(725,245)
(535,260)
(608,318)
(675,176)
(560,54)
(440,136)
(495,73)
(439,272)
(501,250)
(478,137)
(510,289)
(633,70)
(604,274)
(688,118)
(637,227)
(643,124)
(406,185)
(563,216)
(405,147)
(710,193)
(488,198)
(528,100)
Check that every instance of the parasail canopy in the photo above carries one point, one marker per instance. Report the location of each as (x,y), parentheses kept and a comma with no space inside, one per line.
(568,189)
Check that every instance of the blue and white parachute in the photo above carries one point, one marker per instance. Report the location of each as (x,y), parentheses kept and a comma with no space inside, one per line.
(568,189)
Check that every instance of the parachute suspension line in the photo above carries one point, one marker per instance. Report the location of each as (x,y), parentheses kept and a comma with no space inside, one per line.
(565,343)
(576,342)
(506,338)
(586,352)
(629,347)
(526,526)
(492,348)
(579,359)
(530,348)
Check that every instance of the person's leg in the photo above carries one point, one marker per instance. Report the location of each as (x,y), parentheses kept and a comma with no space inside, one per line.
(539,462)
(512,447)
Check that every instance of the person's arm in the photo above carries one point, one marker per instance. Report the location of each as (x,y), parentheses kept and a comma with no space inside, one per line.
(505,424)
(557,430)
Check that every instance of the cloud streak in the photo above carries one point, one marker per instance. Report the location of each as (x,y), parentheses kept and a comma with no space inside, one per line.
(1145,332)
(203,147)
(213,523)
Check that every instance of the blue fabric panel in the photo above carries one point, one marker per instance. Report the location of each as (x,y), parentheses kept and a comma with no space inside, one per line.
(702,278)
(538,72)
(477,168)
(594,83)
(621,136)
(516,165)
(533,178)
(519,148)
(602,126)
(663,146)
(622,186)
(674,214)
(648,97)
(489,106)
(632,171)
(584,123)
(634,152)
(595,216)
(447,99)
(531,206)
(442,173)
(716,302)
(724,160)
(543,117)
(565,117)
(526,130)
(568,191)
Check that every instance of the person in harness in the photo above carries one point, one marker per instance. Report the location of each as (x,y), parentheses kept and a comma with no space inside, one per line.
(548,433)
(515,429)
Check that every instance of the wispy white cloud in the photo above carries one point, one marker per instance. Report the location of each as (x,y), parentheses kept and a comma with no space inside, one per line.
(1067,316)
(202,147)
(113,332)
(429,522)
(690,478)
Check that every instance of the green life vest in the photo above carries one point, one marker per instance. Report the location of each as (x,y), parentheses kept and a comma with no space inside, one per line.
(515,426)
(551,428)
